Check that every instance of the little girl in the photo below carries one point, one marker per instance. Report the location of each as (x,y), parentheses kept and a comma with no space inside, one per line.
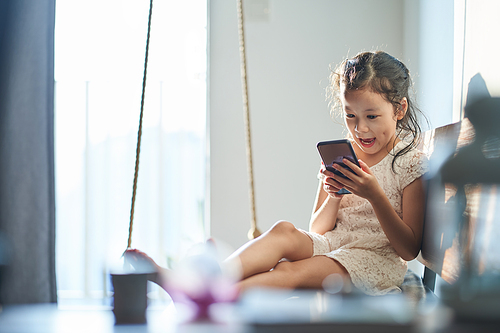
(367,236)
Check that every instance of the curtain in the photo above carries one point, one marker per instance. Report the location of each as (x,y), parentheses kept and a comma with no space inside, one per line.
(27,200)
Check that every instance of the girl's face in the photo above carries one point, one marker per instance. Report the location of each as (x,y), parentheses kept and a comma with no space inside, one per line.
(372,122)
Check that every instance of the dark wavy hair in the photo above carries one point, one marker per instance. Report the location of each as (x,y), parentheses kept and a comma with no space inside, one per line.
(387,76)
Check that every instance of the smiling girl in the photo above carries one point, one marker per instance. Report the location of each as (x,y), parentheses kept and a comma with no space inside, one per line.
(367,236)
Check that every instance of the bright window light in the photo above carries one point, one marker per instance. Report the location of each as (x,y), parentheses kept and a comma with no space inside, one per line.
(99,63)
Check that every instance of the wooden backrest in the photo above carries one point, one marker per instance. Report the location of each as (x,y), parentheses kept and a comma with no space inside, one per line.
(441,244)
(463,192)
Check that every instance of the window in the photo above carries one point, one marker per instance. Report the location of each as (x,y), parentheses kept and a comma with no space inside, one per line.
(99,63)
(475,23)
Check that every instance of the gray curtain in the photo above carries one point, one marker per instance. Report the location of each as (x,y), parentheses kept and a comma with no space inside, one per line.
(27,200)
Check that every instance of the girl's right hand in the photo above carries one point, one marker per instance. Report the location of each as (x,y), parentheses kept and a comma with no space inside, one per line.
(330,185)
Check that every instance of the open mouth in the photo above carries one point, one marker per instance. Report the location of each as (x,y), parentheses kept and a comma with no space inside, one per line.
(367,142)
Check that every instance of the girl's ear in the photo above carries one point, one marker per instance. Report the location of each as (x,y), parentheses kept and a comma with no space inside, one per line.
(403,107)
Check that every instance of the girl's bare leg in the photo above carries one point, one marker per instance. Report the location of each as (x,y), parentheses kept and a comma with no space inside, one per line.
(262,254)
(306,273)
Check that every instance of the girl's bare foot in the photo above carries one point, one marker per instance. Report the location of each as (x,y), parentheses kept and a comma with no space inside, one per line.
(143,263)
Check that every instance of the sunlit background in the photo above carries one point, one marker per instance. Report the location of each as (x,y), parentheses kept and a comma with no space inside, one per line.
(100,47)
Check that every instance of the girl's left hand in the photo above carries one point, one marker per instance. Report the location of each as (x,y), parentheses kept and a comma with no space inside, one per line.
(362,183)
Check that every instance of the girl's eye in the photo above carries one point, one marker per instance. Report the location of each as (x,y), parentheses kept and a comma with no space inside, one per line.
(372,116)
(349,115)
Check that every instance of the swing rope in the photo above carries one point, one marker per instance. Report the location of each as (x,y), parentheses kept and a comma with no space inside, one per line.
(254,231)
(139,133)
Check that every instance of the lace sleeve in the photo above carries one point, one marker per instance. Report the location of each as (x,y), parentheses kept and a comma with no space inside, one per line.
(412,166)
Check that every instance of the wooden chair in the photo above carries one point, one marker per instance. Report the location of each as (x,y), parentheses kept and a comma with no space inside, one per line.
(461,217)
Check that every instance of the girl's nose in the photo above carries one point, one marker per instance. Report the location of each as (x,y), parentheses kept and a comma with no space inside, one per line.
(361,128)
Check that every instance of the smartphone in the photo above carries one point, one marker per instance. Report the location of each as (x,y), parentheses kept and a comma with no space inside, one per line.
(334,152)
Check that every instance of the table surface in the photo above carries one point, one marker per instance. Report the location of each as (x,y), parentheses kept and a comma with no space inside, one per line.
(42,318)
(264,311)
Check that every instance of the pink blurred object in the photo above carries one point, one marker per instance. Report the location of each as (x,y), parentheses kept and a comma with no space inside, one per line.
(199,282)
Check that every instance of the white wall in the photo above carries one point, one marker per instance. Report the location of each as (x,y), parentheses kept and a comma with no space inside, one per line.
(288,66)
(429,55)
(288,59)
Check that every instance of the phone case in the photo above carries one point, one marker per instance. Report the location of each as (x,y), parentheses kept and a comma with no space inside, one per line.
(334,152)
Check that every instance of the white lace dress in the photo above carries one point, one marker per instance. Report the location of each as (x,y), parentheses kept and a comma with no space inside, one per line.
(358,241)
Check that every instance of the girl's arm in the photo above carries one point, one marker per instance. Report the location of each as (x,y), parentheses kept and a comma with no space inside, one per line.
(404,234)
(326,205)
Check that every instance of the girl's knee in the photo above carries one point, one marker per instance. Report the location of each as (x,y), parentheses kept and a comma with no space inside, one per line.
(283,227)
(293,243)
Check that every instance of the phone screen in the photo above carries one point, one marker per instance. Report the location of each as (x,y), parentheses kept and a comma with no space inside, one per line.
(334,152)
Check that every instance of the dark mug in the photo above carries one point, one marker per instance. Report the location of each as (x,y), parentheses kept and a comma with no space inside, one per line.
(130,298)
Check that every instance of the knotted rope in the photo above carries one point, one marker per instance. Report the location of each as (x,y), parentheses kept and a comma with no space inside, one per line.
(139,133)
(254,231)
